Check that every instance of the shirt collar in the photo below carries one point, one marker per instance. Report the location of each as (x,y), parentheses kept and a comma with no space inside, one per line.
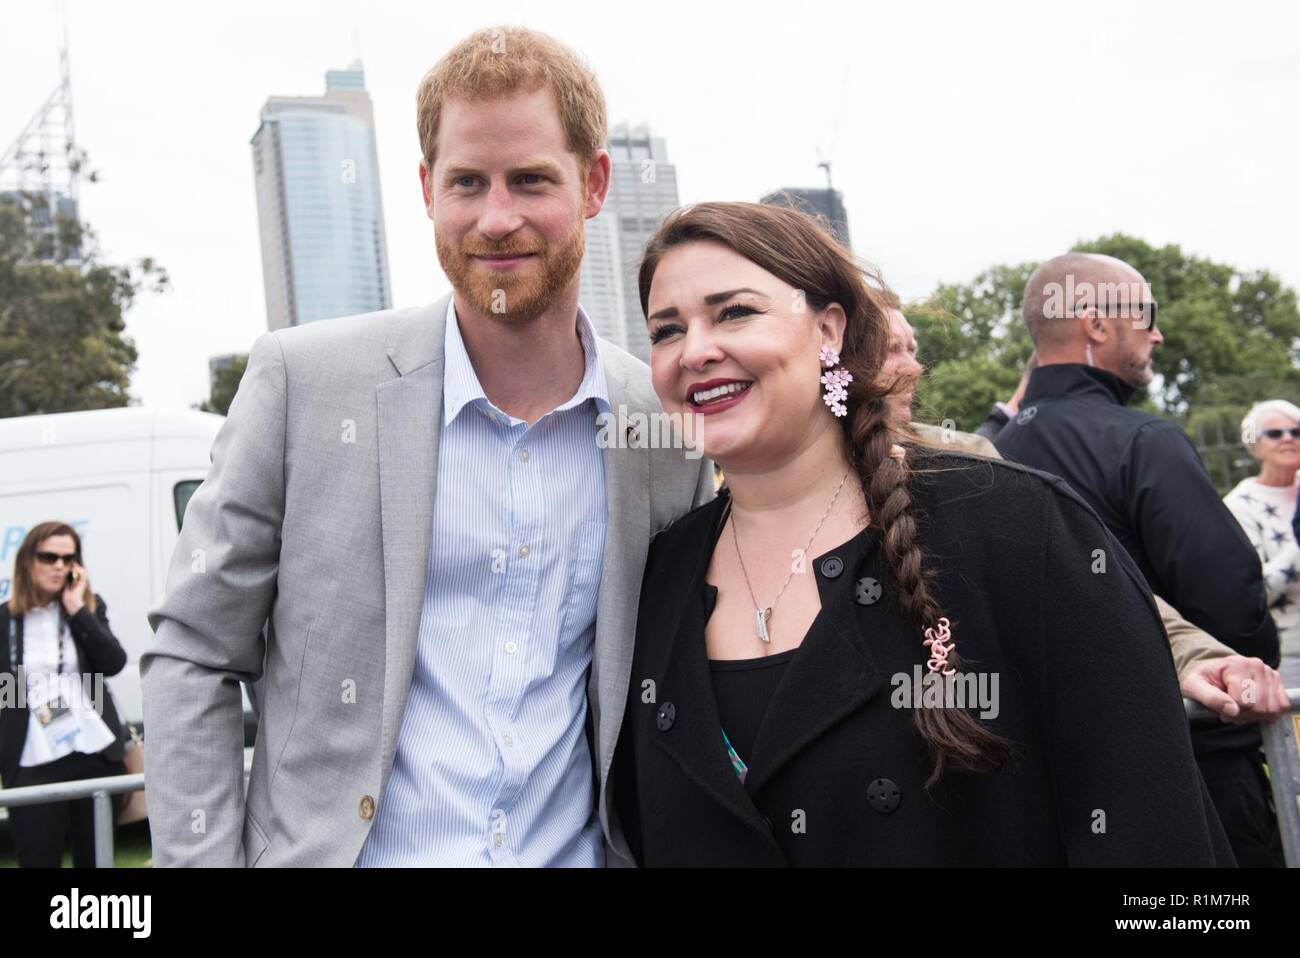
(461,386)
(1075,379)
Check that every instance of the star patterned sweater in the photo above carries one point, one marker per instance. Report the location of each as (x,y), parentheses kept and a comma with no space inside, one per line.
(1265,513)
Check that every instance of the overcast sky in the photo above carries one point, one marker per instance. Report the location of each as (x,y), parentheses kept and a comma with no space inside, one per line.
(962,134)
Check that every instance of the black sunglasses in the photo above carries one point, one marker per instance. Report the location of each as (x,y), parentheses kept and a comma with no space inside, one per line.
(1148,310)
(1294,432)
(49,558)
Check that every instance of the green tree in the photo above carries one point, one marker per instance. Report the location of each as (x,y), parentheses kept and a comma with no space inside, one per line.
(63,345)
(974,344)
(225,383)
(1226,330)
(1232,337)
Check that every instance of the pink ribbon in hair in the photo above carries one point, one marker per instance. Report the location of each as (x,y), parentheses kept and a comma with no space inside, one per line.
(940,645)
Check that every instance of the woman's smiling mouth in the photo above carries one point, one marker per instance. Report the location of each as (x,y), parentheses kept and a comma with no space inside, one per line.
(716,395)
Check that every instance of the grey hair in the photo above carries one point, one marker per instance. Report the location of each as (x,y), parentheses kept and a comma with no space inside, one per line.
(1250,425)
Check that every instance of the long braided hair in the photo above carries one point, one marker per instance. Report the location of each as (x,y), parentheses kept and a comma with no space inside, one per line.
(803,253)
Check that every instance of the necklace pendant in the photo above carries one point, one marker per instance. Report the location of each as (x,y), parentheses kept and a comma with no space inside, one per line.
(760,617)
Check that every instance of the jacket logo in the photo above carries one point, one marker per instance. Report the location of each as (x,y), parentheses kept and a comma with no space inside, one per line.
(1026,416)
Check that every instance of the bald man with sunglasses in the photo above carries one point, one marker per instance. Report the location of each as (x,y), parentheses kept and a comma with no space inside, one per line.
(1093,322)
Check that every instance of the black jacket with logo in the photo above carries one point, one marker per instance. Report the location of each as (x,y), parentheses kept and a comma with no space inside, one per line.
(1144,478)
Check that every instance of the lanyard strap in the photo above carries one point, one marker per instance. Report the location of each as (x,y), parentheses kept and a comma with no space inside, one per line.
(13,641)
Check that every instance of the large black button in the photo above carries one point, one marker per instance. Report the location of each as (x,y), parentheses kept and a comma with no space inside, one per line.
(666,715)
(868,592)
(883,795)
(832,566)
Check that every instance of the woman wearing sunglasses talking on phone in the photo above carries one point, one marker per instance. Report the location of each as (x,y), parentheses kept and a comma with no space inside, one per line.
(1265,505)
(55,725)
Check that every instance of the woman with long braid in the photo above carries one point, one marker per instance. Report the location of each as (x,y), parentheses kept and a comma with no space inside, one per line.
(866,651)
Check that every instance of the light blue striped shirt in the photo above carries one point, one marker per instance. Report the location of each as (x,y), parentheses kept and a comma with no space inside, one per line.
(493,766)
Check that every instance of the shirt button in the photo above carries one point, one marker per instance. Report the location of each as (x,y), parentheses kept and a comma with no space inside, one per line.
(523,455)
(511,648)
(496,841)
(508,740)
(832,567)
(523,552)
(367,809)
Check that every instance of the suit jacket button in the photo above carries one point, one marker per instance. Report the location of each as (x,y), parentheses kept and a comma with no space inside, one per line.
(665,717)
(367,807)
(868,591)
(832,566)
(883,795)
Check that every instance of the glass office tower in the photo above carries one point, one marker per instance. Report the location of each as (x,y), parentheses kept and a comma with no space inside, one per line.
(320,211)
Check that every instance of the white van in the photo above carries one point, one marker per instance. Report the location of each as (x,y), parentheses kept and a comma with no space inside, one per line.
(122,478)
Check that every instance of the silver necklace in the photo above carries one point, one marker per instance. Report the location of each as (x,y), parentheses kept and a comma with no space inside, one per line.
(763,614)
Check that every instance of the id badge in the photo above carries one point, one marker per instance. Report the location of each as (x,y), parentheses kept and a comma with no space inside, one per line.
(59,724)
(60,727)
(48,714)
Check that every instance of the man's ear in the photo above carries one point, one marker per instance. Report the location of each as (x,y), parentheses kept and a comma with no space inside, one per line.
(1094,327)
(426,187)
(597,183)
(831,323)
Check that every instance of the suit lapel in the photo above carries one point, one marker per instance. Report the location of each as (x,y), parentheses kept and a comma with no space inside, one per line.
(627,497)
(409,421)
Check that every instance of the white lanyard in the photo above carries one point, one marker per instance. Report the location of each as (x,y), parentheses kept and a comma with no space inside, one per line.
(13,642)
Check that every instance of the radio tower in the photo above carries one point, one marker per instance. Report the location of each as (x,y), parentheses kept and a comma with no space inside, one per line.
(44,167)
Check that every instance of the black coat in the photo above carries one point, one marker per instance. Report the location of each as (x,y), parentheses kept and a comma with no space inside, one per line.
(1102,773)
(1144,478)
(98,650)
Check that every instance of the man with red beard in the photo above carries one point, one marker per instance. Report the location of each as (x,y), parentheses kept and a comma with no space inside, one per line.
(417,506)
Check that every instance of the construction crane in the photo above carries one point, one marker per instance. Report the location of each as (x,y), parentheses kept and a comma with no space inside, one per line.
(44,166)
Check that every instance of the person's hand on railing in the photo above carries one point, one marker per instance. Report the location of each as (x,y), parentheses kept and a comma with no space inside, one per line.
(1238,689)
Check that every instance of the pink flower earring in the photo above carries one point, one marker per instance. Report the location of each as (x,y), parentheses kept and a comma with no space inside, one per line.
(836,382)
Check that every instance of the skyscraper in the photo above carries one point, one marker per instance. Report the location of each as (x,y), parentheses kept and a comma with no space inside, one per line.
(826,202)
(320,212)
(643,190)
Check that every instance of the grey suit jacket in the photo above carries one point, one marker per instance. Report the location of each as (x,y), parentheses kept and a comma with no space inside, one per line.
(301,566)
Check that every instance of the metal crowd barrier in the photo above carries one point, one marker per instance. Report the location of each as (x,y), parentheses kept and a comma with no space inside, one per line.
(1282,752)
(100,791)
(97,789)
(1281,749)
